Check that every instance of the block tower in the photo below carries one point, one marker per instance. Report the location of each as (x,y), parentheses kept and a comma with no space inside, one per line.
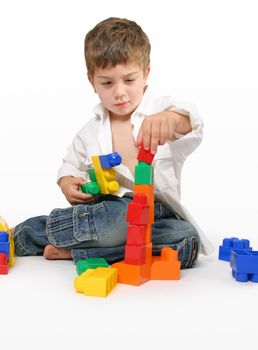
(139,266)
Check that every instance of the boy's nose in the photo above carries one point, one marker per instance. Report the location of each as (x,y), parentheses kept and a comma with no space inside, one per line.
(119,90)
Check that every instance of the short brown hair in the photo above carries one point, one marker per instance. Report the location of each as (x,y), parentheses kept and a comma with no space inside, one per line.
(116,41)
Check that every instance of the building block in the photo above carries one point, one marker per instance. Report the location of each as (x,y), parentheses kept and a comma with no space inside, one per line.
(144,174)
(232,243)
(145,155)
(4,244)
(98,282)
(244,265)
(135,254)
(90,188)
(110,160)
(91,263)
(3,264)
(136,234)
(138,210)
(92,175)
(105,177)
(148,190)
(166,266)
(5,228)
(132,274)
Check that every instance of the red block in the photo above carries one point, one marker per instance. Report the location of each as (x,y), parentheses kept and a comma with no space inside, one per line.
(145,156)
(3,264)
(138,210)
(136,235)
(135,254)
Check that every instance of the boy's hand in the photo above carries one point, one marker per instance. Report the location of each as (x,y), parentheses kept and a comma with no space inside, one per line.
(70,187)
(158,128)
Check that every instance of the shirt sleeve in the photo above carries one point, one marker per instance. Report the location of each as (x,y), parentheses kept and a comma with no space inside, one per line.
(184,145)
(76,160)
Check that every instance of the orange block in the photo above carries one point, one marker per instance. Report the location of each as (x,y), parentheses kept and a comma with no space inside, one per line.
(166,266)
(148,253)
(148,232)
(134,275)
(148,190)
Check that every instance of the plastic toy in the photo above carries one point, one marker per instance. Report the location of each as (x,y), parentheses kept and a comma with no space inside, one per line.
(110,160)
(96,282)
(244,265)
(102,176)
(139,266)
(90,263)
(145,156)
(144,174)
(232,243)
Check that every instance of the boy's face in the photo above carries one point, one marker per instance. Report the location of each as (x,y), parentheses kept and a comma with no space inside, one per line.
(120,88)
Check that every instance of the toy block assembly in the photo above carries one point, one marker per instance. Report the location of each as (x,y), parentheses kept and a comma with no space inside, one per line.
(96,282)
(6,247)
(244,265)
(102,176)
(230,244)
(139,266)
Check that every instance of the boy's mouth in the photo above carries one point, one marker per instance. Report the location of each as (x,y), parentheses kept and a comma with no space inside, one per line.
(121,104)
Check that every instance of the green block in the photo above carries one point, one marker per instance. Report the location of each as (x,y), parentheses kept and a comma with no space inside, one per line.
(90,263)
(92,174)
(90,188)
(144,174)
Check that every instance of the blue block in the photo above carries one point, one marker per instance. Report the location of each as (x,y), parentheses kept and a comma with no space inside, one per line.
(233,243)
(4,244)
(244,265)
(110,160)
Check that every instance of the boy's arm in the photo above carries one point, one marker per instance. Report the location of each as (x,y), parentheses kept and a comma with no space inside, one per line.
(73,173)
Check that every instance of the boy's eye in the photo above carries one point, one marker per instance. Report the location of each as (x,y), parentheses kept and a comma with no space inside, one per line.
(129,80)
(106,83)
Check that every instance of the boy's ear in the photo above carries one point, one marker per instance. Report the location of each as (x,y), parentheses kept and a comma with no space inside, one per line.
(91,80)
(147,72)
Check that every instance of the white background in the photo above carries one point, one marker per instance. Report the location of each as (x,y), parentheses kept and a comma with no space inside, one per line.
(203,52)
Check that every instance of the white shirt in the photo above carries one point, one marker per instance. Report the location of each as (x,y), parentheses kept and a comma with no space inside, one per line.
(95,138)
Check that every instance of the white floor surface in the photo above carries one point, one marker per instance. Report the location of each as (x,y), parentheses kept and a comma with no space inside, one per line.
(205,309)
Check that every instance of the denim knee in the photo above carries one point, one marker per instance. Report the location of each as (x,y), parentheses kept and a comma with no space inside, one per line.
(30,236)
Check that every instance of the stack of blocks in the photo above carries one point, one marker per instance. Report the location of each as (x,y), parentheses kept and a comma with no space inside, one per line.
(6,248)
(95,278)
(98,279)
(243,260)
(102,175)
(139,266)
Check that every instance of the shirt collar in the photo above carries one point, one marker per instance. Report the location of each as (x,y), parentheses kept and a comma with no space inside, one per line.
(143,109)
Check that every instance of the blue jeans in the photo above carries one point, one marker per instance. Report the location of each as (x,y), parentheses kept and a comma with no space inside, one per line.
(100,229)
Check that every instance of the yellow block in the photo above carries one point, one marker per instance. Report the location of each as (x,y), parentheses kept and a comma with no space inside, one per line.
(96,282)
(5,228)
(105,177)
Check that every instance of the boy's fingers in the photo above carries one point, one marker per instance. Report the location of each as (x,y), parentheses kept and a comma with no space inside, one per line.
(146,135)
(138,141)
(155,137)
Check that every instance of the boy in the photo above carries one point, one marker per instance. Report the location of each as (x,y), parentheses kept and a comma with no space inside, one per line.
(117,54)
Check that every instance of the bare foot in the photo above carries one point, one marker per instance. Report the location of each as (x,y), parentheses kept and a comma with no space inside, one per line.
(53,253)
